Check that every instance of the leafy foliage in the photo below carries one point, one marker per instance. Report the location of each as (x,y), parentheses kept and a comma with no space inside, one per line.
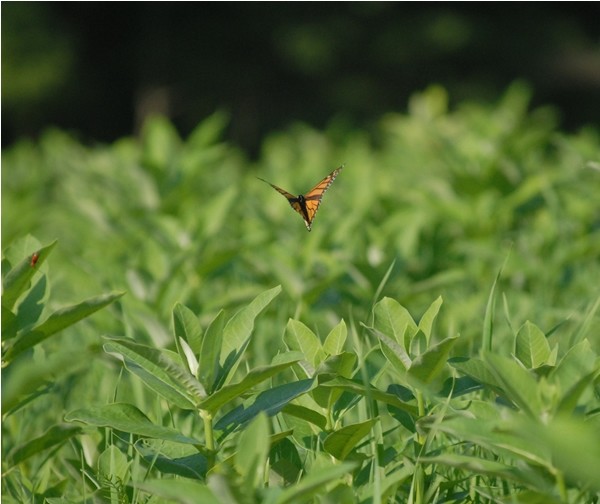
(251,361)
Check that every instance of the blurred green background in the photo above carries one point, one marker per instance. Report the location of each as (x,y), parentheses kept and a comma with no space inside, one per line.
(100,69)
(135,131)
(133,135)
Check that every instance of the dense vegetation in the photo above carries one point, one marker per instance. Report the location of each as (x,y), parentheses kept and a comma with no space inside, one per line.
(171,332)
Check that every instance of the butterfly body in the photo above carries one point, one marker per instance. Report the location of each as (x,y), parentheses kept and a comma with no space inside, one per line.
(308,204)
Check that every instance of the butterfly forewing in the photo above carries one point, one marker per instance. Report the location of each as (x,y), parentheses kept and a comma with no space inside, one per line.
(308,204)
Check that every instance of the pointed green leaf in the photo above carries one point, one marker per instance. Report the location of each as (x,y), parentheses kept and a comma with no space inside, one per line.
(163,375)
(167,457)
(237,331)
(271,402)
(25,380)
(114,462)
(60,320)
(427,366)
(127,418)
(394,321)
(518,384)
(334,343)
(579,360)
(252,452)
(426,322)
(233,391)
(476,369)
(54,436)
(306,414)
(17,280)
(180,491)
(313,483)
(210,353)
(490,313)
(187,327)
(300,338)
(342,441)
(393,352)
(357,387)
(531,346)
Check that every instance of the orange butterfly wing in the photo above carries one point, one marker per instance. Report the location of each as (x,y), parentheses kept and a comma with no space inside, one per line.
(308,204)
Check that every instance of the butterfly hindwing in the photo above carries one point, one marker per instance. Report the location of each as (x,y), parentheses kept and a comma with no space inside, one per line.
(308,204)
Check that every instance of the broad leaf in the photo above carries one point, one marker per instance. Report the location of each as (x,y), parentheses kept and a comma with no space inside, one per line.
(427,366)
(17,279)
(168,378)
(518,384)
(426,322)
(270,401)
(237,331)
(342,441)
(181,491)
(334,343)
(300,338)
(53,437)
(235,390)
(127,418)
(60,320)
(531,346)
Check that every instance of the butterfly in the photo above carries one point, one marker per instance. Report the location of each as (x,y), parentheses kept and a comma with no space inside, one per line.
(308,204)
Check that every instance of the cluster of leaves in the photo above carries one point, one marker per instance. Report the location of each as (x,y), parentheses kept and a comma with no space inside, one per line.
(243,407)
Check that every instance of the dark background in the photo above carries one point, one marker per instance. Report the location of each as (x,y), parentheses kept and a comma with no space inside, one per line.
(100,68)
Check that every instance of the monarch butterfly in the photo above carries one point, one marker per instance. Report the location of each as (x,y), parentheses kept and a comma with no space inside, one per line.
(308,204)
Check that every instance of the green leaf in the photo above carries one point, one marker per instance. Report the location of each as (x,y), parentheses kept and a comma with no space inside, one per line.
(127,418)
(53,437)
(372,392)
(476,465)
(336,365)
(181,491)
(173,458)
(300,338)
(237,331)
(393,352)
(252,452)
(579,361)
(114,462)
(27,377)
(271,401)
(231,392)
(427,366)
(519,386)
(334,343)
(574,446)
(60,320)
(476,369)
(394,321)
(210,353)
(168,378)
(531,346)
(426,322)
(17,279)
(490,312)
(342,441)
(312,484)
(306,414)
(570,398)
(187,327)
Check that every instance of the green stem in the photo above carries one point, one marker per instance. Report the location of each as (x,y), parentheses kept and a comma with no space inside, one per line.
(209,436)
